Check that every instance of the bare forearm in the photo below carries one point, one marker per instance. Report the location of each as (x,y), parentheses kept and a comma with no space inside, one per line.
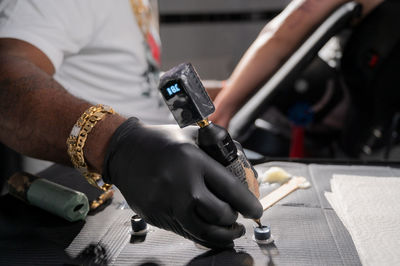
(276,42)
(37,113)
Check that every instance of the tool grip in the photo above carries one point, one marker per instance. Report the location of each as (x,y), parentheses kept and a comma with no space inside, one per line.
(218,144)
(244,171)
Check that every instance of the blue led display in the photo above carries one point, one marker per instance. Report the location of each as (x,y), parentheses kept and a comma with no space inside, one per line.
(174,89)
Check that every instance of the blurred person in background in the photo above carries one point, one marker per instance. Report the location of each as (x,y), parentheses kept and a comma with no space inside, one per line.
(369,65)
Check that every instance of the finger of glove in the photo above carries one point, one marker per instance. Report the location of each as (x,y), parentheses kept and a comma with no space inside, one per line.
(197,230)
(228,188)
(214,236)
(214,211)
(174,132)
(212,245)
(191,132)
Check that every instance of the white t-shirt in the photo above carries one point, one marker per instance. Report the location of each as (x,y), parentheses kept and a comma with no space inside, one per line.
(96,48)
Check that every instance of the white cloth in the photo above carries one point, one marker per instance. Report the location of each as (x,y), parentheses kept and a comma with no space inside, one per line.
(96,48)
(369,207)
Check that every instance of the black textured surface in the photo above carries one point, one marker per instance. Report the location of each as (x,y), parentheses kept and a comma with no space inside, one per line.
(71,178)
(10,163)
(305,228)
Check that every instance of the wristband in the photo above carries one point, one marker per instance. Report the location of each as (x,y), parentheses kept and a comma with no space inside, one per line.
(77,139)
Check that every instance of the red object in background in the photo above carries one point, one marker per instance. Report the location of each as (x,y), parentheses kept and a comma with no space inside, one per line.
(154,47)
(373,61)
(297,143)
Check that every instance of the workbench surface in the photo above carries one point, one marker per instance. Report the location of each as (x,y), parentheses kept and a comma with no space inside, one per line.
(305,228)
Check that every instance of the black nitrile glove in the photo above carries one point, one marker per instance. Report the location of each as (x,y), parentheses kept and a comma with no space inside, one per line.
(172,184)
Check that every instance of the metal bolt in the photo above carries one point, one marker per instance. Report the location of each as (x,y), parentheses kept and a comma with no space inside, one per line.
(139,226)
(262,235)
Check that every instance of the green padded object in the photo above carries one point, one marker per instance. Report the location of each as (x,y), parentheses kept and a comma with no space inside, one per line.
(67,203)
(62,201)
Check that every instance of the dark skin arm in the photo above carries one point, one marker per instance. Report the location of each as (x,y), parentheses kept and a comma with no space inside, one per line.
(37,113)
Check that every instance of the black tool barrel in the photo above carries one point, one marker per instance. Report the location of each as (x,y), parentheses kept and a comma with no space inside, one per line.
(217,143)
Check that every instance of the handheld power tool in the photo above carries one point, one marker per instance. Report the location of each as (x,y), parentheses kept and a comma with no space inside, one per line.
(190,104)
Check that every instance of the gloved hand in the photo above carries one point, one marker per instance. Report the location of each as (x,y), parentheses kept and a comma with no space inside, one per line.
(172,184)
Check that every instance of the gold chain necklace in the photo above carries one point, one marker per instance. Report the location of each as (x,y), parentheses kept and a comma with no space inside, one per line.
(142,14)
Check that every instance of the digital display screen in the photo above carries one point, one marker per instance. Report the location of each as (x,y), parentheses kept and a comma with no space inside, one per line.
(172,89)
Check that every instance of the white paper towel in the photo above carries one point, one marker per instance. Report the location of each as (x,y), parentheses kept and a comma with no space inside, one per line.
(369,207)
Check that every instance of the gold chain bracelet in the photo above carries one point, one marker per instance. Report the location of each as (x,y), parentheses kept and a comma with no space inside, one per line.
(77,139)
